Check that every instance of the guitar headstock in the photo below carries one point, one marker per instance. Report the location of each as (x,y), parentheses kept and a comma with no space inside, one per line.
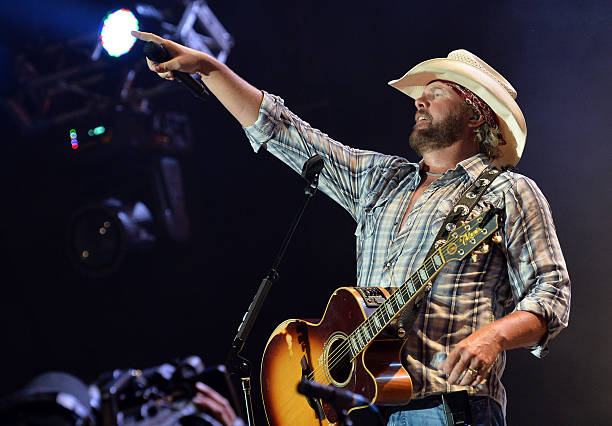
(463,240)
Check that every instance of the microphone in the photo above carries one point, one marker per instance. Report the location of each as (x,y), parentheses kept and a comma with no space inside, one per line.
(157,53)
(312,167)
(310,172)
(340,398)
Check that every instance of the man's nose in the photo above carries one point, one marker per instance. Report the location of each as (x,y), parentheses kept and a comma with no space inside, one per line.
(421,102)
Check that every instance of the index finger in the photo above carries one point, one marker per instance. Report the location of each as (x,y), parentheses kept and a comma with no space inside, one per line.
(449,362)
(459,369)
(147,36)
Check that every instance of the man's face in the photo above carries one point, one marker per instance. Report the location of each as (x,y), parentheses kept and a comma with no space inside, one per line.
(441,118)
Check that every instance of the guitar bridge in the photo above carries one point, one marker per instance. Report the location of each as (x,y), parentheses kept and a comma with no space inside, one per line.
(313,402)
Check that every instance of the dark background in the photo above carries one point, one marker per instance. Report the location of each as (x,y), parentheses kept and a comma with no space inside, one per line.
(330,62)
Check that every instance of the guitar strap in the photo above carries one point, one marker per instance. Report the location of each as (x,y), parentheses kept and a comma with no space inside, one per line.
(460,212)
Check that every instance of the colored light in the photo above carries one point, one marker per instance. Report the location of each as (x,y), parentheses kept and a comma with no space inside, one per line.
(115,34)
(90,132)
(99,130)
(73,139)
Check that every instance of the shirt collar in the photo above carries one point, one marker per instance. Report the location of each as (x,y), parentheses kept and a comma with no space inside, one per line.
(472,166)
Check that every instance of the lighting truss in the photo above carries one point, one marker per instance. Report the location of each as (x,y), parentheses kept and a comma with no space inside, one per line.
(61,83)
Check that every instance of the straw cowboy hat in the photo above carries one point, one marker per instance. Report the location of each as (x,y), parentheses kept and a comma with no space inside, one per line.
(471,72)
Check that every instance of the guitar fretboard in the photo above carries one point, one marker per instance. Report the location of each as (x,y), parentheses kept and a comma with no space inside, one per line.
(382,316)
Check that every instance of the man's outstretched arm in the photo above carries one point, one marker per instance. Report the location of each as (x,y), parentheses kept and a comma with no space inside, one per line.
(240,98)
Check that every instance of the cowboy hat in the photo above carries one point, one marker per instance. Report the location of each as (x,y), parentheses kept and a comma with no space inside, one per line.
(471,72)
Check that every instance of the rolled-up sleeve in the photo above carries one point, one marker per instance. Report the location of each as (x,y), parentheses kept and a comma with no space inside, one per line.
(536,267)
(346,170)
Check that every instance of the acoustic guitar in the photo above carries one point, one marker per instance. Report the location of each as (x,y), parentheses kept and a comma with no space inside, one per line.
(349,347)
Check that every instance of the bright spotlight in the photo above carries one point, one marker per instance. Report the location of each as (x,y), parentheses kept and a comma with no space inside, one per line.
(115,35)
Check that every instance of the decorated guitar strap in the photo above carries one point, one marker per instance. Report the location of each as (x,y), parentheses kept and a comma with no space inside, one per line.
(458,213)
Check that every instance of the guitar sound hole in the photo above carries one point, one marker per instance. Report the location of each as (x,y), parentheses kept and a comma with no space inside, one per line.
(339,362)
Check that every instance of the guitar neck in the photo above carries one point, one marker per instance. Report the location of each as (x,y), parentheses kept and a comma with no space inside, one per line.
(405,294)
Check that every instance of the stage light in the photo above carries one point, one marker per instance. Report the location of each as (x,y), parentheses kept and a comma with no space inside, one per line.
(73,139)
(97,131)
(115,34)
(100,234)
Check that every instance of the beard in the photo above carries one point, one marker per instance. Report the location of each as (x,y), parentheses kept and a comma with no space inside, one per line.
(439,135)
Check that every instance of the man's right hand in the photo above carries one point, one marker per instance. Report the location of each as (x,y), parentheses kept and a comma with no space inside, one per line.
(240,98)
(183,59)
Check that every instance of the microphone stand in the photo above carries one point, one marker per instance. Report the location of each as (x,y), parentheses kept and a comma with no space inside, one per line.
(237,364)
(341,400)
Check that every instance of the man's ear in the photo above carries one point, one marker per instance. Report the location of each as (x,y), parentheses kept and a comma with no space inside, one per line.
(476,120)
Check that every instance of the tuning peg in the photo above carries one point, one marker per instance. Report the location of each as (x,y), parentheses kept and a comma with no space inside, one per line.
(496,238)
(483,249)
(474,257)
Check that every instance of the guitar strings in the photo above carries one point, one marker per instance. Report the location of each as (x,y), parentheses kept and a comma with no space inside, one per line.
(319,375)
(336,356)
(342,349)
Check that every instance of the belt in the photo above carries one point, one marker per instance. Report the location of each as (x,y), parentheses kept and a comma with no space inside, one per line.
(456,404)
(424,403)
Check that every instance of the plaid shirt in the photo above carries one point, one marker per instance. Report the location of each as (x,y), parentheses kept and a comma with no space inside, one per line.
(526,272)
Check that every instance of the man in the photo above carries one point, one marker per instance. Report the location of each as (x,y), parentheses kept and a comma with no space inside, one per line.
(515,295)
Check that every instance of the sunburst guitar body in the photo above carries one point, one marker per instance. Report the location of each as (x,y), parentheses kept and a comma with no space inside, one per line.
(301,349)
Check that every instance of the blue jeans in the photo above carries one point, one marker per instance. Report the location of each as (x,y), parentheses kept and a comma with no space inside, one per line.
(485,412)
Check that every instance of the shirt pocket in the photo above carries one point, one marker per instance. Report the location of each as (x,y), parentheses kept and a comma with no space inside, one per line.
(369,218)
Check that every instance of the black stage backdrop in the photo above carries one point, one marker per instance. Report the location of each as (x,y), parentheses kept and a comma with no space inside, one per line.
(330,61)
